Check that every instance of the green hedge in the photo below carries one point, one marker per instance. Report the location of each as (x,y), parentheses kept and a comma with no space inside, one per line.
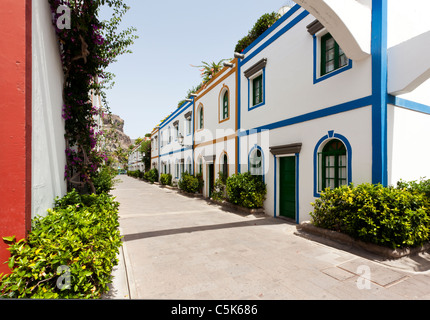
(80,236)
(151,175)
(387,216)
(166,179)
(190,183)
(246,190)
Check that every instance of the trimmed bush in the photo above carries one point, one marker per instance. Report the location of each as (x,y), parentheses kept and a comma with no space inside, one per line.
(386,216)
(189,183)
(80,236)
(166,179)
(151,175)
(246,190)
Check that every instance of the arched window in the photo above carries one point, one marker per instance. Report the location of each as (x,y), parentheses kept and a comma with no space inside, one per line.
(334,165)
(256,162)
(200,166)
(200,119)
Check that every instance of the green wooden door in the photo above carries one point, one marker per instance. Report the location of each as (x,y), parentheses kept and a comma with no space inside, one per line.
(287,197)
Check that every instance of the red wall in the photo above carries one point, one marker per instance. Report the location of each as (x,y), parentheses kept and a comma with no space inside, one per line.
(15,122)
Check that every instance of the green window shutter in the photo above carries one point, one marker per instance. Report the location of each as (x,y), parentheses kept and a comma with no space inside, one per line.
(332,56)
(257,90)
(201,118)
(225,105)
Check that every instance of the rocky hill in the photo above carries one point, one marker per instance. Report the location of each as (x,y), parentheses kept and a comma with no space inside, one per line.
(117,142)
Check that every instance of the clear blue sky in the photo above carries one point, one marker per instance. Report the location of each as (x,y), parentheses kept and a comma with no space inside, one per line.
(173,35)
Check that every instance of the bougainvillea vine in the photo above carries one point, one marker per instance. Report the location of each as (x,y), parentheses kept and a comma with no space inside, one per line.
(87,46)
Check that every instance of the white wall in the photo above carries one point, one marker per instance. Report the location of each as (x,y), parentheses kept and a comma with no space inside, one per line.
(289,87)
(354,125)
(48,144)
(408,143)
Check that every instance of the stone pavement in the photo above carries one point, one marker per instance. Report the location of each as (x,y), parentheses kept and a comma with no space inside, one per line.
(177,247)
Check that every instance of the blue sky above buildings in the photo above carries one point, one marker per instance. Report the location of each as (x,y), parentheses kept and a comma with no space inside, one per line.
(173,35)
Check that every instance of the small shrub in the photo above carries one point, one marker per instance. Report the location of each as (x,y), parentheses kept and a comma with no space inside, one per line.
(246,190)
(80,234)
(189,183)
(219,192)
(262,24)
(385,216)
(104,180)
(166,179)
(152,175)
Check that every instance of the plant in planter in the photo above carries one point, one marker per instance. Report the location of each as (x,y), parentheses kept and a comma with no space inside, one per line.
(246,190)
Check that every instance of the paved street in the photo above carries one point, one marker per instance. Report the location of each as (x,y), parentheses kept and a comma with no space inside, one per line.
(177,247)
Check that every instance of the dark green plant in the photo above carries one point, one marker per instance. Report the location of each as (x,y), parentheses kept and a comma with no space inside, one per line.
(166,179)
(262,24)
(104,180)
(189,183)
(246,190)
(80,234)
(152,175)
(385,216)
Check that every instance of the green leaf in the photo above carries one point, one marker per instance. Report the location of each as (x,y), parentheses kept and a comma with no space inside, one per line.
(10,239)
(11,262)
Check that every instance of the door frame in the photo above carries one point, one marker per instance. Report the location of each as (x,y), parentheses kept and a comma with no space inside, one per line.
(278,185)
(208,173)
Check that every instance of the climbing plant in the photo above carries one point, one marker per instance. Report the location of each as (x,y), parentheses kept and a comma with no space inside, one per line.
(88,46)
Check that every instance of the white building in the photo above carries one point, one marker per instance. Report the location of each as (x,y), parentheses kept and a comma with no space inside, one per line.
(175,138)
(215,138)
(135,159)
(315,99)
(335,92)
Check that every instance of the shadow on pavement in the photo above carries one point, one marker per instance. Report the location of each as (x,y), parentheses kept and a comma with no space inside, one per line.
(168,232)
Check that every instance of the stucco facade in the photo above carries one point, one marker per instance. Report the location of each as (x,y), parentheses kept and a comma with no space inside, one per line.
(350,75)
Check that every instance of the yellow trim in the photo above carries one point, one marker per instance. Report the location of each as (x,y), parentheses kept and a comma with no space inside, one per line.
(222,139)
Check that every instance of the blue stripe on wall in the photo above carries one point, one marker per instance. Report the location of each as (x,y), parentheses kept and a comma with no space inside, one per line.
(379,92)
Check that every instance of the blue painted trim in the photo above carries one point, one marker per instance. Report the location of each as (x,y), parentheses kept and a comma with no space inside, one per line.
(251,93)
(379,92)
(297,188)
(238,90)
(273,27)
(175,151)
(263,162)
(175,114)
(408,104)
(343,107)
(328,75)
(330,136)
(296,20)
(276,174)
